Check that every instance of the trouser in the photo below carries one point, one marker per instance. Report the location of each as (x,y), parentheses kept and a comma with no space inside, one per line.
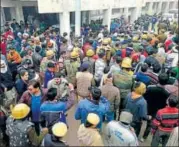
(160,137)
(37,127)
(148,128)
(4,139)
(137,127)
(97,83)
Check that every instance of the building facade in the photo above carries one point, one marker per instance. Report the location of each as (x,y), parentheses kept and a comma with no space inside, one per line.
(66,12)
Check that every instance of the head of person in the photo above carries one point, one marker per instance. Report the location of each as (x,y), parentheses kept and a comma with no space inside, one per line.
(38,49)
(126,117)
(95,93)
(139,88)
(126,63)
(14,20)
(50,54)
(109,78)
(156,68)
(51,66)
(84,67)
(34,86)
(24,75)
(118,60)
(163,78)
(144,67)
(51,94)
(89,53)
(74,55)
(20,111)
(101,54)
(172,101)
(92,120)
(12,50)
(59,130)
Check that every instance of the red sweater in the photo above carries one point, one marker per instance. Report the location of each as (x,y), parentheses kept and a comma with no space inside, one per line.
(3,48)
(166,119)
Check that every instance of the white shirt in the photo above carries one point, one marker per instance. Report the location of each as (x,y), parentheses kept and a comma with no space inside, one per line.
(118,134)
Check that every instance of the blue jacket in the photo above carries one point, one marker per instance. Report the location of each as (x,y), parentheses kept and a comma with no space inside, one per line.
(138,107)
(48,76)
(143,78)
(86,106)
(52,112)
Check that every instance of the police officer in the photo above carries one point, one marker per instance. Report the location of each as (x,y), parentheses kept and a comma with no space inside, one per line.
(121,133)
(59,130)
(123,79)
(20,130)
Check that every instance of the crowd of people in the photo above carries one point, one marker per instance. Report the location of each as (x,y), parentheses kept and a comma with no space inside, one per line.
(119,80)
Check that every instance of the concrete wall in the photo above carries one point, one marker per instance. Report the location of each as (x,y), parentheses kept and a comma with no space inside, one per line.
(13,3)
(69,5)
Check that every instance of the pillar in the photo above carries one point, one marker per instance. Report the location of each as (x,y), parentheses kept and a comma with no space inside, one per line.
(19,13)
(64,23)
(3,20)
(159,8)
(107,17)
(150,11)
(78,18)
(126,14)
(135,14)
(167,6)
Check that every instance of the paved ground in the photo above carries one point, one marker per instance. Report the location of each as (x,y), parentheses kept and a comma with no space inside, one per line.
(71,136)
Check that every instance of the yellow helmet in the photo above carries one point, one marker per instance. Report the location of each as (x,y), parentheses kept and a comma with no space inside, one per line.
(144,36)
(126,63)
(105,41)
(141,89)
(135,39)
(90,53)
(93,119)
(20,111)
(59,129)
(74,54)
(76,49)
(49,53)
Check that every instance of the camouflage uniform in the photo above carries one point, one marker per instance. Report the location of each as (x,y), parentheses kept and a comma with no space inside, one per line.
(22,133)
(123,80)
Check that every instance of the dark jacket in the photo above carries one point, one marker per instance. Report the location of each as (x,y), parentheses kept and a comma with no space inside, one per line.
(51,141)
(6,80)
(21,87)
(36,58)
(156,97)
(48,76)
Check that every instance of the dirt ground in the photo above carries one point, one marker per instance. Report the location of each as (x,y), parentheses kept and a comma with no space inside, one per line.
(71,136)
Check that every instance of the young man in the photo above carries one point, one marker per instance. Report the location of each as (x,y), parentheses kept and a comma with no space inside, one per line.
(21,84)
(94,103)
(49,74)
(34,97)
(165,121)
(88,134)
(59,130)
(120,133)
(53,111)
(113,94)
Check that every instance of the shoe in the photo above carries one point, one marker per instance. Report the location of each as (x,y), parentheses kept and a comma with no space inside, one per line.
(141,139)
